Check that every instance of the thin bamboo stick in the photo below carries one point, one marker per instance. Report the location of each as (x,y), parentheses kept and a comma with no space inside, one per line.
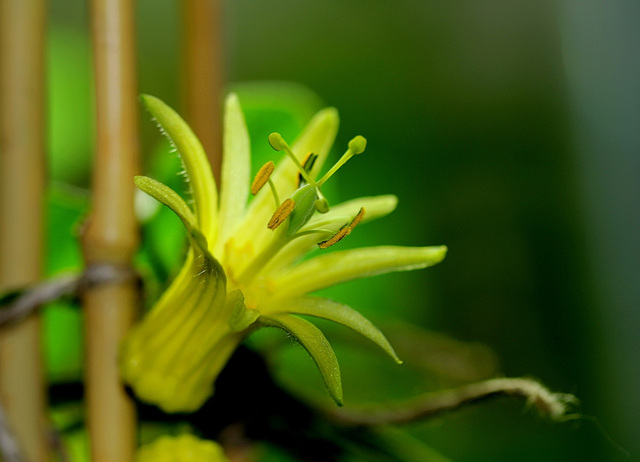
(111,236)
(22,182)
(202,78)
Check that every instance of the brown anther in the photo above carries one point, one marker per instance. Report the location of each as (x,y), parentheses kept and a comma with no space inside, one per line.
(357,219)
(307,164)
(343,232)
(262,177)
(281,214)
(337,237)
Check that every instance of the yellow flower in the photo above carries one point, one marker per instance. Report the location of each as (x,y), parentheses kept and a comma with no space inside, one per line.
(184,448)
(245,268)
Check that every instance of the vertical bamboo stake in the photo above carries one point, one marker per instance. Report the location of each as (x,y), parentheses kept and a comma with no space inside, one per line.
(202,56)
(22,179)
(111,236)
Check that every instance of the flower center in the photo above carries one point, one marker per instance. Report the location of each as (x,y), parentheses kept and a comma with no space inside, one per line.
(308,198)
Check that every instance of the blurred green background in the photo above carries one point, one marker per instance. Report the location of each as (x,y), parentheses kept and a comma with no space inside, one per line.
(510,132)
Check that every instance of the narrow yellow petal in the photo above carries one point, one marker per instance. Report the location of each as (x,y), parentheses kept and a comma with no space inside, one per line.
(316,344)
(236,170)
(337,267)
(195,162)
(338,313)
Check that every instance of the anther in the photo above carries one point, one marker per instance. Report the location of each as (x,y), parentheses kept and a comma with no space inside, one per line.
(281,214)
(343,232)
(337,237)
(262,177)
(278,143)
(307,164)
(357,219)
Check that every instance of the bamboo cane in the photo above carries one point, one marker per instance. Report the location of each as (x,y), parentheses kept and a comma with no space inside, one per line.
(202,78)
(22,180)
(111,237)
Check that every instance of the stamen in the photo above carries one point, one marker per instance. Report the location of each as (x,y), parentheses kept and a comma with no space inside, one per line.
(337,237)
(321,203)
(356,146)
(307,164)
(278,143)
(281,214)
(274,192)
(262,177)
(357,219)
(343,232)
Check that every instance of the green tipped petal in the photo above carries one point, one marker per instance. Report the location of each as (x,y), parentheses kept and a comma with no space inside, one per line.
(236,169)
(316,344)
(341,314)
(167,196)
(195,161)
(337,267)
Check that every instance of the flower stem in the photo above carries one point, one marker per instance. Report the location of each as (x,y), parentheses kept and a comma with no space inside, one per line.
(554,405)
(203,74)
(110,237)
(22,180)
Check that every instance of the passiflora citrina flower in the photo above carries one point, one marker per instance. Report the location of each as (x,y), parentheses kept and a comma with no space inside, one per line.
(183,448)
(245,267)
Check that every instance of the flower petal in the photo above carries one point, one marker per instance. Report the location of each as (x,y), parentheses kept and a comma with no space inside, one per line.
(172,357)
(376,207)
(316,344)
(195,162)
(341,314)
(167,196)
(236,171)
(241,317)
(334,268)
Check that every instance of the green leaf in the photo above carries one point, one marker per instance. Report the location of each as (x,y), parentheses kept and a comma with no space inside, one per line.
(341,314)
(316,344)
